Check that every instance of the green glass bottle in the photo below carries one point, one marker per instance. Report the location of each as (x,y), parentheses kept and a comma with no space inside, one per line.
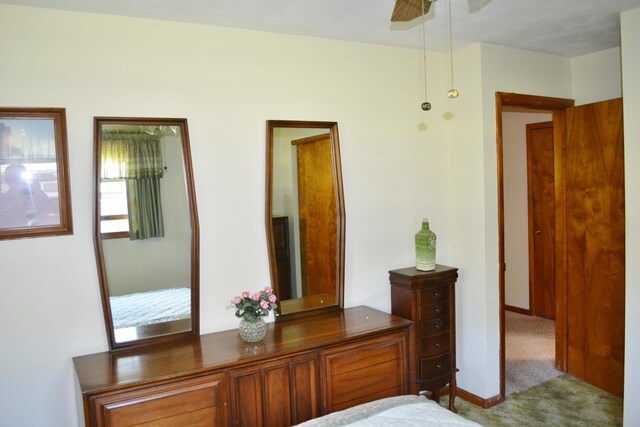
(425,248)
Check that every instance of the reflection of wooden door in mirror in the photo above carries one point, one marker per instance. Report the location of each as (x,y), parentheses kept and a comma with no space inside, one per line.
(317,207)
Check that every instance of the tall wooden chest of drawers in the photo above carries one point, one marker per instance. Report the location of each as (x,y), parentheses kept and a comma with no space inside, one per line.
(428,298)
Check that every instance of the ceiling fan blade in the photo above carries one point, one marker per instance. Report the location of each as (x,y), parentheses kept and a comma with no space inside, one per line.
(408,10)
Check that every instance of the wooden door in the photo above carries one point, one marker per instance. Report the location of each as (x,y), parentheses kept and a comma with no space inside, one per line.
(318,215)
(540,176)
(595,244)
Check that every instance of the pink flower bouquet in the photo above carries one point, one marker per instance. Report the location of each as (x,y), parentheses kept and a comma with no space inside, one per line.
(251,306)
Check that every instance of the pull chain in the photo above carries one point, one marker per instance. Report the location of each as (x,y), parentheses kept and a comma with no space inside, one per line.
(426,105)
(452,93)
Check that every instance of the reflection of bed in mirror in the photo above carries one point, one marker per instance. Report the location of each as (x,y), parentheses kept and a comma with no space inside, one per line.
(155,312)
(393,411)
(145,308)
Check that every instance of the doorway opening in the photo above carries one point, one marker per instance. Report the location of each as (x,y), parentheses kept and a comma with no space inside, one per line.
(529,233)
(519,230)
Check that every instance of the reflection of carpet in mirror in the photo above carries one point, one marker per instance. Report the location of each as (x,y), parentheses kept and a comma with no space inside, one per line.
(529,351)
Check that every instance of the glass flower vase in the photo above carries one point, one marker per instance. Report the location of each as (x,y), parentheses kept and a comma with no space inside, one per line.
(425,248)
(252,329)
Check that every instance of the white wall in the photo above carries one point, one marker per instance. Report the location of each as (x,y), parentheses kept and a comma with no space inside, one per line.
(630,22)
(227,83)
(516,205)
(596,76)
(466,220)
(484,70)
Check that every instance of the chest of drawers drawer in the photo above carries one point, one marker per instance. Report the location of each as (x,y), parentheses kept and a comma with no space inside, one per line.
(434,311)
(433,367)
(433,294)
(434,326)
(434,345)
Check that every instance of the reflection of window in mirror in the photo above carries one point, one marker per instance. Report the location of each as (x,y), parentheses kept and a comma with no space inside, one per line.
(132,168)
(114,216)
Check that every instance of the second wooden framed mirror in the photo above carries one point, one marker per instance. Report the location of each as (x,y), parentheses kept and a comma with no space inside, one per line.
(305,216)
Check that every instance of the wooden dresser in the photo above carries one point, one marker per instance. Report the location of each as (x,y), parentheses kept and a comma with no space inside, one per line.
(428,298)
(302,369)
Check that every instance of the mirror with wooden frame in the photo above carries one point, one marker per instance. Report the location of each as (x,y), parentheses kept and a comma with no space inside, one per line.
(305,217)
(146,230)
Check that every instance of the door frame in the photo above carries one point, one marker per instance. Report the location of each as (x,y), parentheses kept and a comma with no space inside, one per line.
(557,107)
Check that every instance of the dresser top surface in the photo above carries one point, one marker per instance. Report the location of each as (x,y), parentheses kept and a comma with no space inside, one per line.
(220,350)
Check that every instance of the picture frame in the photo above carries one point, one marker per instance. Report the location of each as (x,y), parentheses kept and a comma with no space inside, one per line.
(35,200)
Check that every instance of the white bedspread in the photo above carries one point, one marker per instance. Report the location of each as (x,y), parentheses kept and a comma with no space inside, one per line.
(405,411)
(145,308)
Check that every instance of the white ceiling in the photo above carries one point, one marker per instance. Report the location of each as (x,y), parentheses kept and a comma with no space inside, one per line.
(562,27)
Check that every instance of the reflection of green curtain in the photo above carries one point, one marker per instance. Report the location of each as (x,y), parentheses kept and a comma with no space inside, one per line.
(127,155)
(143,198)
(136,157)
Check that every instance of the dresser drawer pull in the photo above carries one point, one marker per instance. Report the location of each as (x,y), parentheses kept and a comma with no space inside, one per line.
(438,325)
(437,310)
(439,366)
(436,294)
(438,345)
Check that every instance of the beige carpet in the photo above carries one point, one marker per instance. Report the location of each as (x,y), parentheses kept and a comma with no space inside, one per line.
(529,351)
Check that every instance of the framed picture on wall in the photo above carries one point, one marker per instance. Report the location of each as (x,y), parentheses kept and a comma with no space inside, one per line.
(34,178)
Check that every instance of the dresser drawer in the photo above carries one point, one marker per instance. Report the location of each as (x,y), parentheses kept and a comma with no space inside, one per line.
(434,326)
(363,372)
(433,311)
(195,402)
(434,345)
(433,367)
(435,294)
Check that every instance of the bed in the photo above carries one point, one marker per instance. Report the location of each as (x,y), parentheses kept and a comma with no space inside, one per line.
(406,411)
(146,308)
